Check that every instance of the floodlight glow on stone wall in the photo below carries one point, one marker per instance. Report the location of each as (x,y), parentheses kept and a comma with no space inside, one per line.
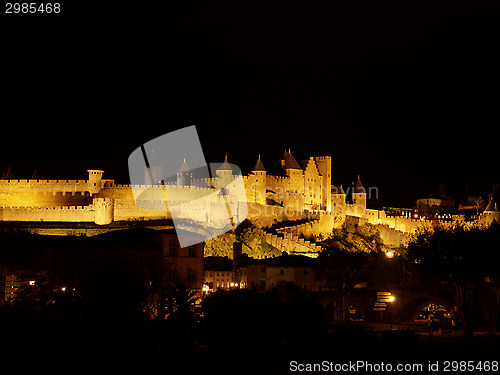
(210,203)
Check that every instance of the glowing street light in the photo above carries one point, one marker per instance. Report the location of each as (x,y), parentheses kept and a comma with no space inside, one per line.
(389,254)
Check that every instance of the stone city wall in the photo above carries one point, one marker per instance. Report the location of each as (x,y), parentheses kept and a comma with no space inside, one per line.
(56,213)
(44,193)
(292,244)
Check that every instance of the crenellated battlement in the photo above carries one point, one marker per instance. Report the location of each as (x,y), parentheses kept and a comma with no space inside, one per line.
(43,182)
(40,214)
(278,179)
(45,209)
(323,157)
(158,187)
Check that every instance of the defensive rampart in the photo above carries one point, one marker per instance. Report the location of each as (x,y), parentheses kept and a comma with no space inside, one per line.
(100,212)
(44,193)
(56,213)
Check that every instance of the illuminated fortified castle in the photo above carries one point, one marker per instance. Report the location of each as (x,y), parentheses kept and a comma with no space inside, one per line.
(289,190)
(292,190)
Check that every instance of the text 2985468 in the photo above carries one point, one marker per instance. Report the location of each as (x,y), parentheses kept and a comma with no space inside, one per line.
(26,8)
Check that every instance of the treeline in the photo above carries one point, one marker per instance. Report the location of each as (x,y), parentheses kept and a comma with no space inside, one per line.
(107,297)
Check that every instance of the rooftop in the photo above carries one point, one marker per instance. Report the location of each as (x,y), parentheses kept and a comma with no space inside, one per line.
(259,166)
(288,161)
(225,166)
(359,188)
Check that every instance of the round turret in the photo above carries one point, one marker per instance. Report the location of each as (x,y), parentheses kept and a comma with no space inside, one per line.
(104,210)
(259,167)
(224,174)
(491,212)
(359,198)
(184,175)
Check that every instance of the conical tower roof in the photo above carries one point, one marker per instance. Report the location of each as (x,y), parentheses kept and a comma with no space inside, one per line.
(259,166)
(184,167)
(8,175)
(359,188)
(36,176)
(337,189)
(289,162)
(225,166)
(492,205)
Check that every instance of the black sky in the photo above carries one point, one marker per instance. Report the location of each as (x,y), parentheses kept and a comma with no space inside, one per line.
(406,94)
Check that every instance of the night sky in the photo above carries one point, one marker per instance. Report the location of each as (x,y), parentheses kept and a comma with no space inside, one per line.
(405,94)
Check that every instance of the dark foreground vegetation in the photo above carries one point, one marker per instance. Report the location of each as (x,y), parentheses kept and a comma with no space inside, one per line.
(90,307)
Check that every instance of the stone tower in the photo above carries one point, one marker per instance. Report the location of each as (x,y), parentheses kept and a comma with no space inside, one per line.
(291,194)
(258,183)
(153,175)
(184,175)
(103,210)
(324,164)
(290,165)
(224,174)
(491,212)
(94,181)
(359,198)
(338,200)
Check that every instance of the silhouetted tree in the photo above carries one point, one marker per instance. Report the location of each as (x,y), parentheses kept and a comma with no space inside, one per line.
(463,257)
(342,270)
(183,313)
